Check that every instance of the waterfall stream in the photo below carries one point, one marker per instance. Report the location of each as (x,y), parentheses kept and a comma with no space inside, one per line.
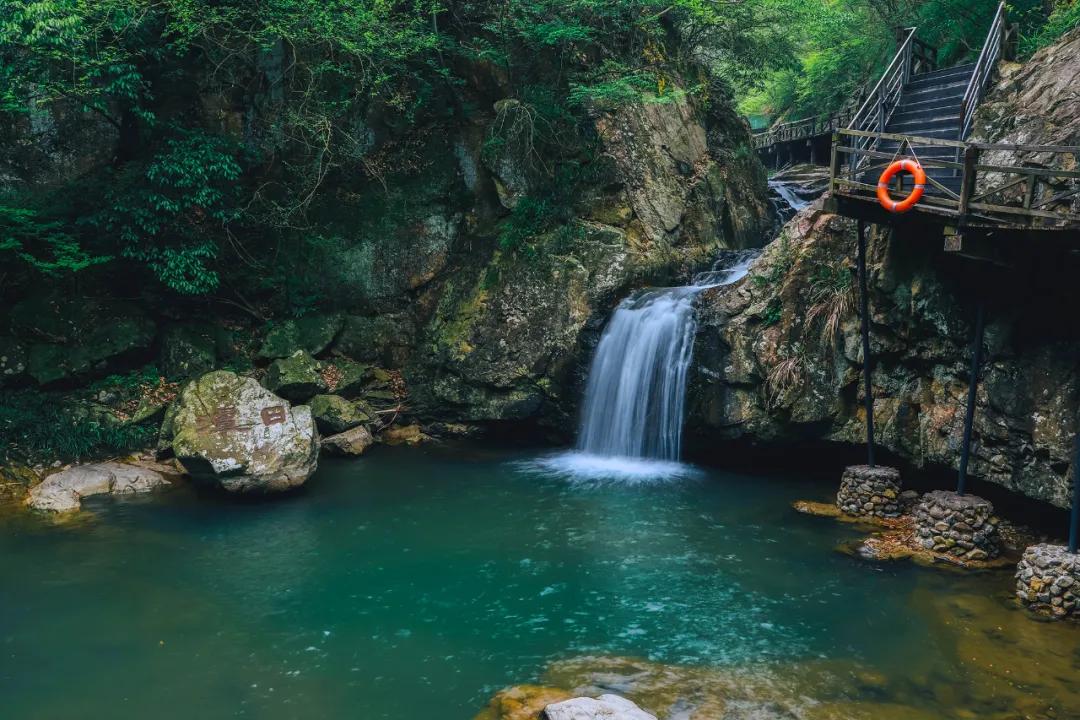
(632,417)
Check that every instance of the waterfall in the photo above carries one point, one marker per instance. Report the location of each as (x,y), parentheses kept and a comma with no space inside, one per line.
(636,391)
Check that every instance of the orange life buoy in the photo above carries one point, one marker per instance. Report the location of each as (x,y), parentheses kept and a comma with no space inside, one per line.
(905,165)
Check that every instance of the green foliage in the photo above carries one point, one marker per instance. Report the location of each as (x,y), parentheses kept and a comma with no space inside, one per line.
(44,245)
(773,313)
(170,215)
(38,426)
(844,45)
(1064,18)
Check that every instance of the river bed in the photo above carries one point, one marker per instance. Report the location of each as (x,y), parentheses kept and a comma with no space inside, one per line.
(416,583)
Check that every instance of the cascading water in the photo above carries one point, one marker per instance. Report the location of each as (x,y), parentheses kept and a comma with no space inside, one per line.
(636,391)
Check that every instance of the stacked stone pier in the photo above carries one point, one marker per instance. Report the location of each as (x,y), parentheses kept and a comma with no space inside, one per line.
(870,491)
(961,526)
(1048,580)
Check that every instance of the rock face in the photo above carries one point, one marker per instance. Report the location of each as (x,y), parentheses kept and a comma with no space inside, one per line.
(1037,103)
(508,333)
(335,414)
(778,356)
(64,491)
(231,431)
(605,707)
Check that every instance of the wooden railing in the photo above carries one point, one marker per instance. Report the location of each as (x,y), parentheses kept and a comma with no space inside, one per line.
(801,129)
(992,51)
(991,195)
(882,101)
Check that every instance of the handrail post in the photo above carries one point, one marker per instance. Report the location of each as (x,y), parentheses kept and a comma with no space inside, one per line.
(834,162)
(864,304)
(967,180)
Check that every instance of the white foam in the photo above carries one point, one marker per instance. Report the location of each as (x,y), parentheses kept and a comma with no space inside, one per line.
(580,466)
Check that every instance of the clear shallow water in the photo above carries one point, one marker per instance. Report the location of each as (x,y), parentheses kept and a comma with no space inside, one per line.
(415,583)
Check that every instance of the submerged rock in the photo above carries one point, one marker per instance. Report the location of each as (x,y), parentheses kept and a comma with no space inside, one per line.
(231,431)
(296,378)
(351,442)
(64,491)
(605,707)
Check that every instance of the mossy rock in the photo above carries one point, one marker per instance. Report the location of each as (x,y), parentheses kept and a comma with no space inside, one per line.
(296,378)
(12,360)
(16,481)
(188,350)
(334,414)
(351,377)
(80,336)
(230,431)
(381,339)
(312,334)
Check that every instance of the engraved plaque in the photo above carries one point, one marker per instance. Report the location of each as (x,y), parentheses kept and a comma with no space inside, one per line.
(274,415)
(224,419)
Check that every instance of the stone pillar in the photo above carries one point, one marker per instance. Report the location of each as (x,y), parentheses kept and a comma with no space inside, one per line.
(963,526)
(870,491)
(1048,580)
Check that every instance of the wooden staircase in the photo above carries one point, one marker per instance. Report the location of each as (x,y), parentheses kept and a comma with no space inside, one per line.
(930,106)
(919,111)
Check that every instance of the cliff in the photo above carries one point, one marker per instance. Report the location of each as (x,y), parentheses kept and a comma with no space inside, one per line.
(779,355)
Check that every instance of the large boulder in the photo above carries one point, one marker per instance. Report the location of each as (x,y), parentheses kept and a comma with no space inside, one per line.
(605,707)
(296,378)
(312,334)
(230,431)
(64,491)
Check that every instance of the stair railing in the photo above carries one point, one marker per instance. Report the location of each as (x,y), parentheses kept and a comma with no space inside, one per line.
(875,112)
(984,70)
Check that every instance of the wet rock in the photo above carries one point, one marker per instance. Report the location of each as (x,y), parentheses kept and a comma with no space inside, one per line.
(63,492)
(605,707)
(334,414)
(230,431)
(296,378)
(312,334)
(351,442)
(403,435)
(522,702)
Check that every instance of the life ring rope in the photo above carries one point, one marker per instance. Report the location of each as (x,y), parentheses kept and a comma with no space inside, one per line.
(901,206)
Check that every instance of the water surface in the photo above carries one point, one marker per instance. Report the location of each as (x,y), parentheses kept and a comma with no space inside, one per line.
(413,584)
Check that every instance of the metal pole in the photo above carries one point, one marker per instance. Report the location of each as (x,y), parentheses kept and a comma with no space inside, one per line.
(864,303)
(1074,519)
(973,385)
